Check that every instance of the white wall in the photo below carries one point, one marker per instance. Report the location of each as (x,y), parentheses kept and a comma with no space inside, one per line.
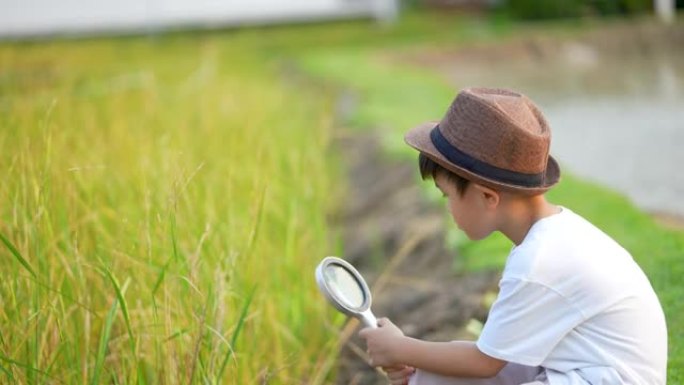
(665,9)
(41,17)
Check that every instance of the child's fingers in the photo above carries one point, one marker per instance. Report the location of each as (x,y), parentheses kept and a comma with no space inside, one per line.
(399,380)
(392,369)
(399,375)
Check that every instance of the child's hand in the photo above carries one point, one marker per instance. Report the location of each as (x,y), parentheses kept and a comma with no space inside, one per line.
(383,343)
(399,375)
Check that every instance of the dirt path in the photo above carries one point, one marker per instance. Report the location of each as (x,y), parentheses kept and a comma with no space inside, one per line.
(396,239)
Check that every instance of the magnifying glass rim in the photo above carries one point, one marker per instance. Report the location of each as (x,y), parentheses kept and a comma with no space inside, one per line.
(327,291)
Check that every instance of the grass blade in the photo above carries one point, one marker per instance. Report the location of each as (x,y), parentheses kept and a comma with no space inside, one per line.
(22,365)
(104,340)
(177,334)
(122,301)
(124,309)
(174,243)
(236,332)
(17,255)
(243,315)
(7,373)
(257,223)
(161,276)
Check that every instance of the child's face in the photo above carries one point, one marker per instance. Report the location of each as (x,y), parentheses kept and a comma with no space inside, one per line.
(472,211)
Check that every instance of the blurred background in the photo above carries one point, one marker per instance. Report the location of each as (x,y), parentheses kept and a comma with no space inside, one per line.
(175,170)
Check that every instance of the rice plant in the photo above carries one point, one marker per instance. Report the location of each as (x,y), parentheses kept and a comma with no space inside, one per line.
(163,206)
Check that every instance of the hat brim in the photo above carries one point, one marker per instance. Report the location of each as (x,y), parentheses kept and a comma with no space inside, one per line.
(419,138)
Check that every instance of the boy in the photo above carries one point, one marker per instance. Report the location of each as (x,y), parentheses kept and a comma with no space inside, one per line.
(573,307)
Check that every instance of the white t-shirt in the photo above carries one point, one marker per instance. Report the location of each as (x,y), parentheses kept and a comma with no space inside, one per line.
(574,302)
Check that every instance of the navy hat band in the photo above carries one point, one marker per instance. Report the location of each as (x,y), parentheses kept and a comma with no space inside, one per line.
(476,166)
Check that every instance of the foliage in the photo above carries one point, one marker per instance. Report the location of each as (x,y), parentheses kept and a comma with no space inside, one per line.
(545,9)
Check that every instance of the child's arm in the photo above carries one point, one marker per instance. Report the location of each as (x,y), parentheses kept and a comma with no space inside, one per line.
(387,346)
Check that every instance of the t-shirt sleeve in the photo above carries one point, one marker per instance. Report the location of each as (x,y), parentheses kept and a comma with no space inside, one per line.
(526,322)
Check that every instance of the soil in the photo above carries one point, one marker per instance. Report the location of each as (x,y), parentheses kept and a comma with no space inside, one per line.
(395,238)
(669,220)
(530,54)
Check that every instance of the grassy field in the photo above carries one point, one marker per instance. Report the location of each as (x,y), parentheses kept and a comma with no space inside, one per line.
(165,199)
(394,97)
(163,208)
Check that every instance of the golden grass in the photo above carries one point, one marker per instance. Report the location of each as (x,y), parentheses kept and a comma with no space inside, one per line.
(162,207)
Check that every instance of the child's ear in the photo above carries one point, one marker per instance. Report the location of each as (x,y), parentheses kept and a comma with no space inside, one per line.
(490,197)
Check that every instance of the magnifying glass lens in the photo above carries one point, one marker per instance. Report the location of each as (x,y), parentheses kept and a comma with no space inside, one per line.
(344,286)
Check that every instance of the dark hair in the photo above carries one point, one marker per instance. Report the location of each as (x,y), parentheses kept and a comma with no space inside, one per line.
(429,170)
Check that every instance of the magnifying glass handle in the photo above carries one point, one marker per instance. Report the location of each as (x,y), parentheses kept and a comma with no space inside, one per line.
(368,319)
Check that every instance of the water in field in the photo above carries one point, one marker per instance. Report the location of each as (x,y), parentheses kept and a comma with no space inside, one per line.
(615,104)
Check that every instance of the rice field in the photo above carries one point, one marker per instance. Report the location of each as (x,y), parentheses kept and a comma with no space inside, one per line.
(162,209)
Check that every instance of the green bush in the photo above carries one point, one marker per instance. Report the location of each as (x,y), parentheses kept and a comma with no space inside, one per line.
(636,6)
(544,9)
(555,9)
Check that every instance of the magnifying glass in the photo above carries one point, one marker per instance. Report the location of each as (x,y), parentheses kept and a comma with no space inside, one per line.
(345,289)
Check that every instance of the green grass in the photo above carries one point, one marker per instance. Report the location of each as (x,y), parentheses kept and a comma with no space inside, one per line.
(163,208)
(395,97)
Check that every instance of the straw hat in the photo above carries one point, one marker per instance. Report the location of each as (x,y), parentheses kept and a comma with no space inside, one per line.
(494,137)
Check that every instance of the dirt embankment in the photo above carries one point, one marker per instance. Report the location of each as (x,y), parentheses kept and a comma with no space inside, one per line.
(396,240)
